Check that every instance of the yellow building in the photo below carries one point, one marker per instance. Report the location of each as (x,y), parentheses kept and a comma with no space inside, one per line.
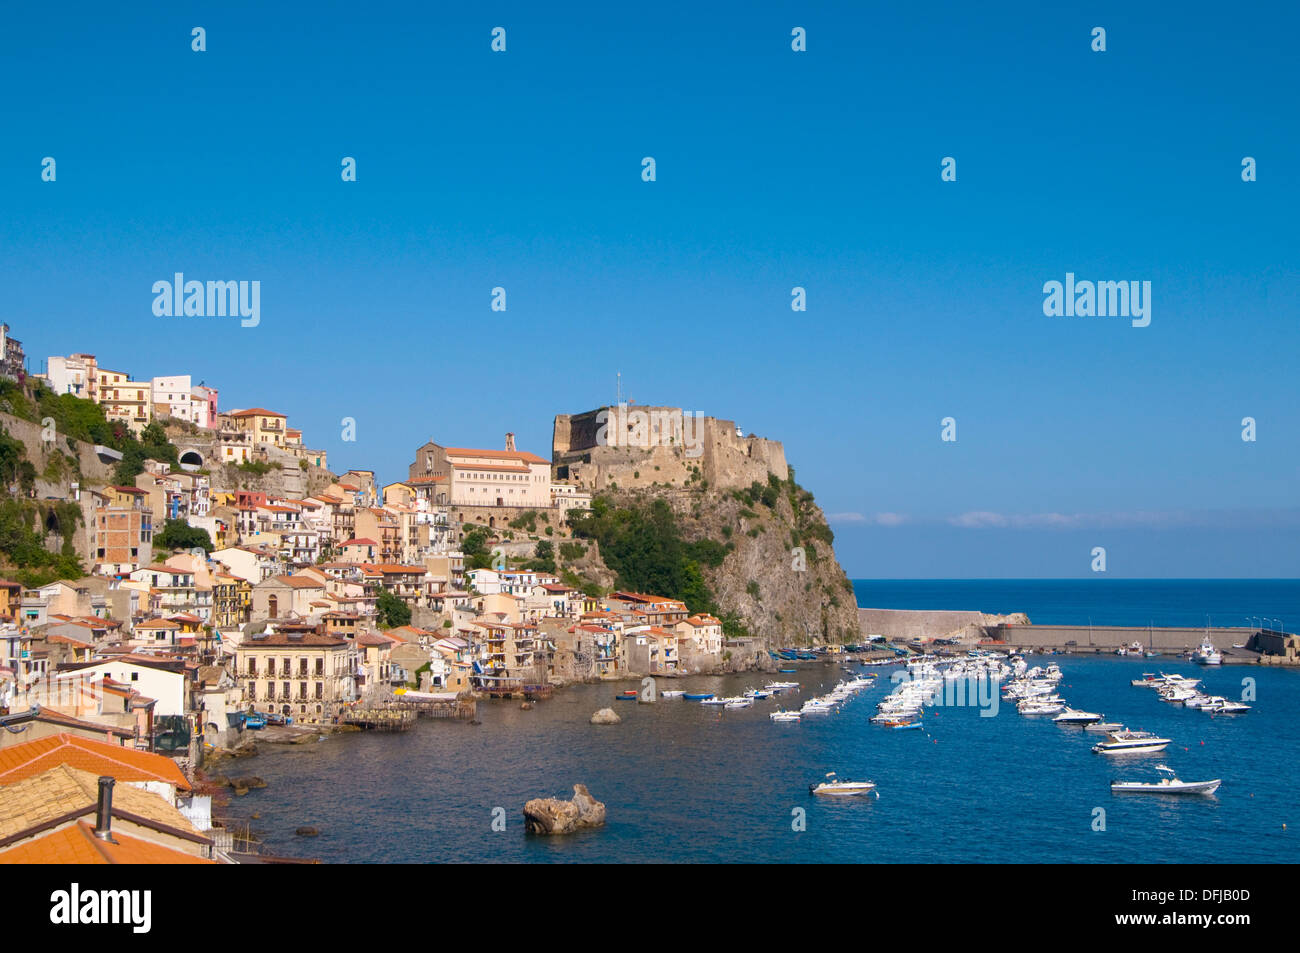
(262,426)
(125,400)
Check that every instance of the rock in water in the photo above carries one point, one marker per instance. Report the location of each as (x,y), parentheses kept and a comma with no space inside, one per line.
(606,716)
(307,832)
(548,815)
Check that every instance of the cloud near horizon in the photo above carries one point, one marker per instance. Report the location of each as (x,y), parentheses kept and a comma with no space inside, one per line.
(1136,519)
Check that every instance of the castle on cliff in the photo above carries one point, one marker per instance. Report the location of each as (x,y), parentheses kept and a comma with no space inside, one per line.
(636,446)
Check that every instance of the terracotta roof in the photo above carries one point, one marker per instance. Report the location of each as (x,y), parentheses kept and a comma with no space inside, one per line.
(494,454)
(256,412)
(279,640)
(64,789)
(77,844)
(298,582)
(364,541)
(98,757)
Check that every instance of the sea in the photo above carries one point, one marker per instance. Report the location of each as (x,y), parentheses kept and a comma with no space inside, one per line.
(686,783)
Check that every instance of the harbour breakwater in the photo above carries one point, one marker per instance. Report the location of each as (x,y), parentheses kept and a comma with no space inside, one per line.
(1238,644)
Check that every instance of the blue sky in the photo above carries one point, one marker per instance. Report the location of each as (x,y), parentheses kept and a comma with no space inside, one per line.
(774,169)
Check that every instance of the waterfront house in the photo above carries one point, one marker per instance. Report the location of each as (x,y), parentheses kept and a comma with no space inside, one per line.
(296,671)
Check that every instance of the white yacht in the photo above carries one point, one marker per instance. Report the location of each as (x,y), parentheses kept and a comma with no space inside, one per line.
(1168,784)
(842,787)
(1072,716)
(1131,742)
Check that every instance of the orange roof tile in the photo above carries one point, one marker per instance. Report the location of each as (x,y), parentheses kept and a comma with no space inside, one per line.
(77,844)
(495,454)
(98,757)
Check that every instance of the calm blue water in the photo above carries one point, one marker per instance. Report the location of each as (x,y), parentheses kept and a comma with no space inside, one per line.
(687,783)
(1101,601)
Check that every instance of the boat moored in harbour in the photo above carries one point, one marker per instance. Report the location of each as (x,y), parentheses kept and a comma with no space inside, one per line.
(1168,784)
(1131,742)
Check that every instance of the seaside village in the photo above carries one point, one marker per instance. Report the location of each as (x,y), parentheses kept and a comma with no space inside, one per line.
(115,686)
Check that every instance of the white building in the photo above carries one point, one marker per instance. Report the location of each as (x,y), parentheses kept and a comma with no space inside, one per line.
(171,396)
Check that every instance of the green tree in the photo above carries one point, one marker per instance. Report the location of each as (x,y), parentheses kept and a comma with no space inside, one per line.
(475,548)
(390,611)
(178,534)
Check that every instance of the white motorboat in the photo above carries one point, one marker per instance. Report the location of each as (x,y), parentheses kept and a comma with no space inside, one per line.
(1040,708)
(1207,654)
(1168,784)
(671,694)
(842,787)
(1218,705)
(1072,716)
(1131,742)
(1105,727)
(784,716)
(714,701)
(733,703)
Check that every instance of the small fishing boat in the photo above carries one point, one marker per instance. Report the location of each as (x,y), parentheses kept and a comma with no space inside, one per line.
(1168,784)
(711,700)
(784,716)
(698,696)
(625,697)
(906,726)
(733,703)
(1207,654)
(842,787)
(788,671)
(254,721)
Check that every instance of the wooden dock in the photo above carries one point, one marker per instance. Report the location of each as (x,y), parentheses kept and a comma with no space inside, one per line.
(380,718)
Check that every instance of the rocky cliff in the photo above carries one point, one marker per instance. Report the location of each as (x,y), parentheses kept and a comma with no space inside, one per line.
(764,553)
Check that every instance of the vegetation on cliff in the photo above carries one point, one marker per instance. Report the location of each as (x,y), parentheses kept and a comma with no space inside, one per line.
(759,557)
(24,528)
(643,545)
(84,420)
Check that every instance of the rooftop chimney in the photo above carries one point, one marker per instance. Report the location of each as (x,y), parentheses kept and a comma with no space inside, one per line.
(510,442)
(104,812)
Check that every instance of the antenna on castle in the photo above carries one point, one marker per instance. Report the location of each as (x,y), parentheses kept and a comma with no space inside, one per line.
(618,392)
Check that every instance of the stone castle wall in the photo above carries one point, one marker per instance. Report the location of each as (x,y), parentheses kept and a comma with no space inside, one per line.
(635,446)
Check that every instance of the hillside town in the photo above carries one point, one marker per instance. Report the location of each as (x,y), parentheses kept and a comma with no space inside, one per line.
(209,608)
